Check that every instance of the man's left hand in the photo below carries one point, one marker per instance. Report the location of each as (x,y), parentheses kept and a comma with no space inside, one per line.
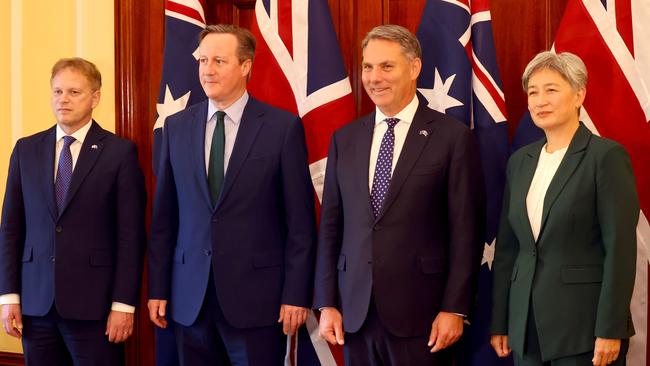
(445,331)
(292,317)
(119,326)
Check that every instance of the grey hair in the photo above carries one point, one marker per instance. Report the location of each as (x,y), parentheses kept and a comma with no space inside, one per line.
(395,33)
(568,65)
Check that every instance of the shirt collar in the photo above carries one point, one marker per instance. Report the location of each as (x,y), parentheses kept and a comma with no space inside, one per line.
(234,111)
(79,135)
(405,115)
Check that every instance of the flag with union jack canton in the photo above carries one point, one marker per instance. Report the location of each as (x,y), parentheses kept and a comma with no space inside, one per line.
(460,77)
(179,89)
(179,84)
(298,67)
(613,40)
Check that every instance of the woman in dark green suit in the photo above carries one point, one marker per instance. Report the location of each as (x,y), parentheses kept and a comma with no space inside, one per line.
(566,250)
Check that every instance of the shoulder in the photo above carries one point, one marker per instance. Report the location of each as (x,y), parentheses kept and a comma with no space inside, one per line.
(269,113)
(187,114)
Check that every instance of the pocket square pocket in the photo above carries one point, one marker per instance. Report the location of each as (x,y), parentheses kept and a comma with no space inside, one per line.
(425,169)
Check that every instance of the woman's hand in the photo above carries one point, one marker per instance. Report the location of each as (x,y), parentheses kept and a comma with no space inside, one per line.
(500,345)
(606,351)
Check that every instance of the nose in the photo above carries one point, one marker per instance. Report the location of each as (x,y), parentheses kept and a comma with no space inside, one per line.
(374,75)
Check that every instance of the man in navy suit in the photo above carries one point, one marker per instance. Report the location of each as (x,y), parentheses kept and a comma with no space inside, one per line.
(72,235)
(401,218)
(233,229)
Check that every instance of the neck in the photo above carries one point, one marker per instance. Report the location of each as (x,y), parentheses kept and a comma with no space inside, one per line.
(560,137)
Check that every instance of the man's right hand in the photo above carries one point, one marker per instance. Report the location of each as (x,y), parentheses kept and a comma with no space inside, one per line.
(12,320)
(330,326)
(500,345)
(157,310)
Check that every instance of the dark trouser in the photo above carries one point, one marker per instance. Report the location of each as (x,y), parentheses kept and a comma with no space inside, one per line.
(533,356)
(53,341)
(374,345)
(212,341)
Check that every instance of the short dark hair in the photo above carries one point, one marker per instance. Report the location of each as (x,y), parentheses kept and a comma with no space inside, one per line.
(245,39)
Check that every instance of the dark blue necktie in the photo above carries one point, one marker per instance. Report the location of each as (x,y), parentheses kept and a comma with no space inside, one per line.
(381,180)
(215,164)
(63,172)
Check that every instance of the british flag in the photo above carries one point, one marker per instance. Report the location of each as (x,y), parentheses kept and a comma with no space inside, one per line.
(300,69)
(460,77)
(613,39)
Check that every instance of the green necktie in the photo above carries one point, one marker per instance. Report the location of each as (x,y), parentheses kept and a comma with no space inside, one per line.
(215,165)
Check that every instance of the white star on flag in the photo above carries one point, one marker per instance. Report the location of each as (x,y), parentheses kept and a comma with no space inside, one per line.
(488,254)
(438,97)
(170,106)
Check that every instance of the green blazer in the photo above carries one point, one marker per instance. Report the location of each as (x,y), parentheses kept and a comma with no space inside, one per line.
(580,273)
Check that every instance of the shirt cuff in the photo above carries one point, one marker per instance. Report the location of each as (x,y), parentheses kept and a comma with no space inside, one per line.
(118,306)
(9,299)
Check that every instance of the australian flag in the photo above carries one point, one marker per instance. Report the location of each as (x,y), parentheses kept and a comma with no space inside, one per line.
(179,85)
(460,77)
(179,89)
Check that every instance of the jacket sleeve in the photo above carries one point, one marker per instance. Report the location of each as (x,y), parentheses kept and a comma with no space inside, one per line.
(330,236)
(131,204)
(300,219)
(618,215)
(12,228)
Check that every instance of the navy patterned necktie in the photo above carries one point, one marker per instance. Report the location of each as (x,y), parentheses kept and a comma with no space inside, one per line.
(63,172)
(215,164)
(381,180)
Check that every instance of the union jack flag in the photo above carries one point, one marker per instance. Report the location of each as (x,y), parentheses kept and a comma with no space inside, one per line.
(460,77)
(300,69)
(612,38)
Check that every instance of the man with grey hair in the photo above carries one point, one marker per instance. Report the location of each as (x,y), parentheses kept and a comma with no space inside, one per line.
(401,219)
(233,230)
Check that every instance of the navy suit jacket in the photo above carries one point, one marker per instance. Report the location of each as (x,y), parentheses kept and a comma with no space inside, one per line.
(260,237)
(91,254)
(421,254)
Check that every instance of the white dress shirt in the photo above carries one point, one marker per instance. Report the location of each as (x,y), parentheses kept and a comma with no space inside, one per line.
(75,148)
(405,117)
(546,168)
(231,126)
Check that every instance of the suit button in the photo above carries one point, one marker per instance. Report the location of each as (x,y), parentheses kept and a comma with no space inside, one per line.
(52,258)
(59,229)
(207,252)
(377,227)
(214,219)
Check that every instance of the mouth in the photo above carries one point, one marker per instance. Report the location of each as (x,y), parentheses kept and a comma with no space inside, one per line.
(379,91)
(64,110)
(543,114)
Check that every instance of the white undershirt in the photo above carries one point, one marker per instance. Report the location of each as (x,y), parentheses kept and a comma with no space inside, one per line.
(546,167)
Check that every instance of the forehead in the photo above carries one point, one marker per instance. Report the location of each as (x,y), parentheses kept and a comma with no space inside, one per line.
(218,44)
(546,76)
(381,50)
(70,77)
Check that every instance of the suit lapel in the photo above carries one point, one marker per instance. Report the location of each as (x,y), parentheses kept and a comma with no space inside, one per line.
(362,156)
(413,146)
(46,151)
(528,171)
(198,151)
(90,151)
(569,163)
(249,126)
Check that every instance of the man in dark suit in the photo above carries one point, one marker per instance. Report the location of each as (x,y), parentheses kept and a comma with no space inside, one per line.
(72,234)
(401,219)
(233,227)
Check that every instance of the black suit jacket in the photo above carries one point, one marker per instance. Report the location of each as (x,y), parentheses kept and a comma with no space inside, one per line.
(260,237)
(421,254)
(91,254)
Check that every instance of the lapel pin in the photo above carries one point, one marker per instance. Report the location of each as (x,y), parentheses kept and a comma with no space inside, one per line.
(424,133)
(94,147)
